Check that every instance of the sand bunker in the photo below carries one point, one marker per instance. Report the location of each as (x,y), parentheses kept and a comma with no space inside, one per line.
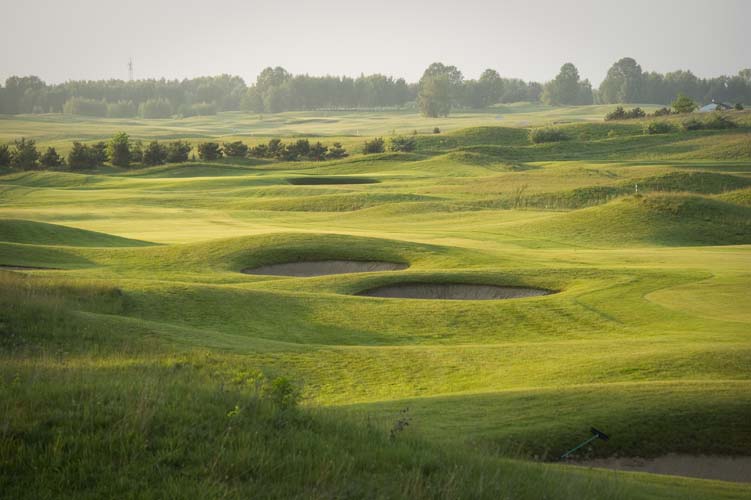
(324,267)
(452,291)
(737,469)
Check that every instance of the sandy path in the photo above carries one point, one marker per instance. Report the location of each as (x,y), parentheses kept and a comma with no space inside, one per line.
(737,469)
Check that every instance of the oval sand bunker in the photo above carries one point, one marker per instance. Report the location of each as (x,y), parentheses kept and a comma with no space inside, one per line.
(324,267)
(452,291)
(736,469)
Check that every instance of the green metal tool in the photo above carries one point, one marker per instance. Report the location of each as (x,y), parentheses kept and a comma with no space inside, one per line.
(595,435)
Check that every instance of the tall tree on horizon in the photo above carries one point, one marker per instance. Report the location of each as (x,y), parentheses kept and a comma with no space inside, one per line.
(567,88)
(623,83)
(439,89)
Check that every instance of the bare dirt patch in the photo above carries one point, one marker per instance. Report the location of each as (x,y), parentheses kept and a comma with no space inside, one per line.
(736,469)
(324,267)
(452,291)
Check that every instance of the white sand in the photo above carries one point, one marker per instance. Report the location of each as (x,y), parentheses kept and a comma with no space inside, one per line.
(737,469)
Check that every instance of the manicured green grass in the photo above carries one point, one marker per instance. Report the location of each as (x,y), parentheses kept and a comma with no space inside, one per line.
(143,362)
(40,233)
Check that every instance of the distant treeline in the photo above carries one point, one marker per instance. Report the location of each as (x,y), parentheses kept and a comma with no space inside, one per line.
(440,89)
(275,91)
(627,83)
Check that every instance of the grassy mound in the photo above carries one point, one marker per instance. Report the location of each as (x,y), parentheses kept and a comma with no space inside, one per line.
(677,220)
(474,137)
(187,170)
(333,203)
(740,197)
(695,182)
(321,180)
(42,233)
(57,180)
(44,257)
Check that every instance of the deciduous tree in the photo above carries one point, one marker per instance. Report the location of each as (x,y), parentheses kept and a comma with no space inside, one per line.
(439,89)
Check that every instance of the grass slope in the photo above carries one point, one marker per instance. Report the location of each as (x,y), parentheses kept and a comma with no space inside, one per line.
(671,220)
(41,233)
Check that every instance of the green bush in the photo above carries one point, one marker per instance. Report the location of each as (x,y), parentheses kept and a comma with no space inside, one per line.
(82,156)
(236,149)
(401,143)
(617,114)
(336,151)
(715,122)
(178,151)
(299,149)
(50,159)
(653,128)
(209,151)
(376,145)
(621,114)
(154,154)
(683,104)
(318,152)
(25,155)
(719,122)
(540,135)
(120,150)
(259,151)
(4,155)
(136,152)
(275,148)
(635,113)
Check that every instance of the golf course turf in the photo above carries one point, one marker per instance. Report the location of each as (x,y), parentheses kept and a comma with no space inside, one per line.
(218,328)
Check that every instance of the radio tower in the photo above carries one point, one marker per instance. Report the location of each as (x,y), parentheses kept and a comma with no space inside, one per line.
(130,69)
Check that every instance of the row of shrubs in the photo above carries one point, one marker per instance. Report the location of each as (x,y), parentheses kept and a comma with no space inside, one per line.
(120,151)
(714,122)
(301,149)
(683,107)
(621,114)
(397,143)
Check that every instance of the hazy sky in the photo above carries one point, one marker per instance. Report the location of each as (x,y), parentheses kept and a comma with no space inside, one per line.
(60,40)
